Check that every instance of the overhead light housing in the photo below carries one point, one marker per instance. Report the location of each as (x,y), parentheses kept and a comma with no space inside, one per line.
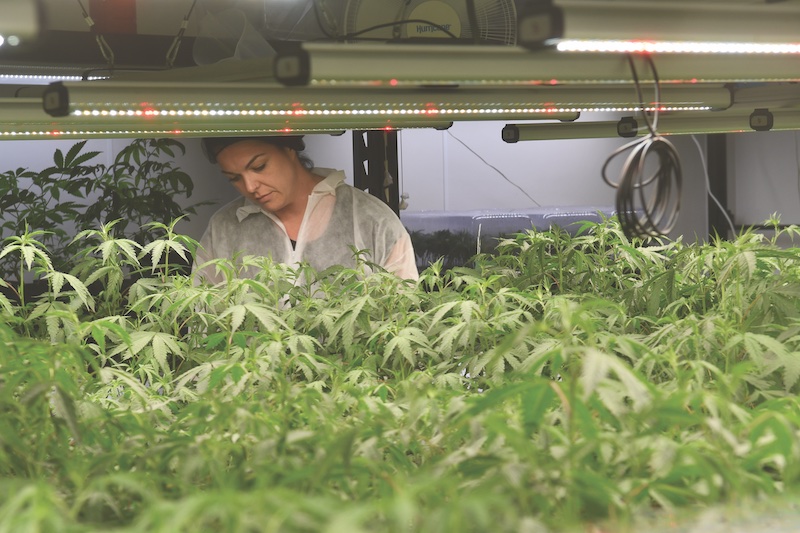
(23,118)
(84,131)
(737,121)
(275,104)
(676,47)
(43,75)
(436,66)
(753,27)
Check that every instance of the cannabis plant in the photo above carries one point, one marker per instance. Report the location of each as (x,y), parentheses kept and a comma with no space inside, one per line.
(567,382)
(75,193)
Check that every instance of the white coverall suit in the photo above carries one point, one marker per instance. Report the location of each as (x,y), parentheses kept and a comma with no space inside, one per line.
(337,217)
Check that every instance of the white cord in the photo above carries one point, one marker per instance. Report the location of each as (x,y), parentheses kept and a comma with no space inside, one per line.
(797,157)
(646,205)
(708,186)
(495,169)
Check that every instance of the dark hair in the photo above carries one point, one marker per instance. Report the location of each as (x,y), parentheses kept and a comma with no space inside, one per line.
(212,146)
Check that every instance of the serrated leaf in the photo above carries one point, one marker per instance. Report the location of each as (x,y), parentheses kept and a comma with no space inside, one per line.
(160,352)
(595,369)
(84,158)
(109,325)
(155,250)
(5,305)
(302,344)
(791,370)
(237,314)
(99,338)
(440,311)
(179,248)
(215,340)
(126,246)
(28,254)
(140,339)
(56,283)
(71,154)
(266,316)
(598,366)
(400,344)
(54,329)
(80,290)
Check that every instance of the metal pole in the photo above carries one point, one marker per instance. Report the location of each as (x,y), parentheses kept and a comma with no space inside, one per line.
(717,162)
(375,165)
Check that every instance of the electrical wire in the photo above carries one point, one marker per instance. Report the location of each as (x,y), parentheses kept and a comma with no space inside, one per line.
(495,169)
(395,24)
(647,205)
(708,186)
(172,53)
(108,53)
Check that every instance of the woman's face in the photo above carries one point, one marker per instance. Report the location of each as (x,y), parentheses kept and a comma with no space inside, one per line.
(265,173)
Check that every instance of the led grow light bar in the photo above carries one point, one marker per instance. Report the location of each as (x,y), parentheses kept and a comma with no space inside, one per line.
(8,133)
(754,23)
(273,104)
(677,124)
(109,101)
(23,118)
(44,75)
(35,79)
(387,66)
(675,47)
(69,130)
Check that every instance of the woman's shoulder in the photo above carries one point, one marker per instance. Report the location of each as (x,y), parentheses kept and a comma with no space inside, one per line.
(363,197)
(228,211)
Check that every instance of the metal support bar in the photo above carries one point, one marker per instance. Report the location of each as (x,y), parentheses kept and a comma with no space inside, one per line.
(717,161)
(375,165)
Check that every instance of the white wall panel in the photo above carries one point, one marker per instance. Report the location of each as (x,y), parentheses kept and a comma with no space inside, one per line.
(765,170)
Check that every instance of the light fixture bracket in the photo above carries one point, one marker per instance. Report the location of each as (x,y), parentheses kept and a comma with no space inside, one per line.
(510,133)
(762,120)
(292,67)
(55,100)
(627,127)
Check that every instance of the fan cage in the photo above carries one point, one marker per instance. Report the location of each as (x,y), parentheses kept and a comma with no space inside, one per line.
(496,20)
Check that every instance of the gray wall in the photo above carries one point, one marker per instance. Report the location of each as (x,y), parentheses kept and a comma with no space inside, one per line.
(469,167)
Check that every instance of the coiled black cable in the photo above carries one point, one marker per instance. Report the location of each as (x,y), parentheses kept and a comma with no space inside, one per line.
(647,205)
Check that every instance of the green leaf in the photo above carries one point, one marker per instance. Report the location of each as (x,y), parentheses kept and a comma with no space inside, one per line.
(58,158)
(83,158)
(155,249)
(64,406)
(599,366)
(81,291)
(161,351)
(237,314)
(72,153)
(140,339)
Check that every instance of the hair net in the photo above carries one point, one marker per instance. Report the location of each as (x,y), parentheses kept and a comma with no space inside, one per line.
(212,146)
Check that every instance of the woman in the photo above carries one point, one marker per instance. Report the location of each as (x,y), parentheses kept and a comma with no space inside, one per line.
(294,213)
